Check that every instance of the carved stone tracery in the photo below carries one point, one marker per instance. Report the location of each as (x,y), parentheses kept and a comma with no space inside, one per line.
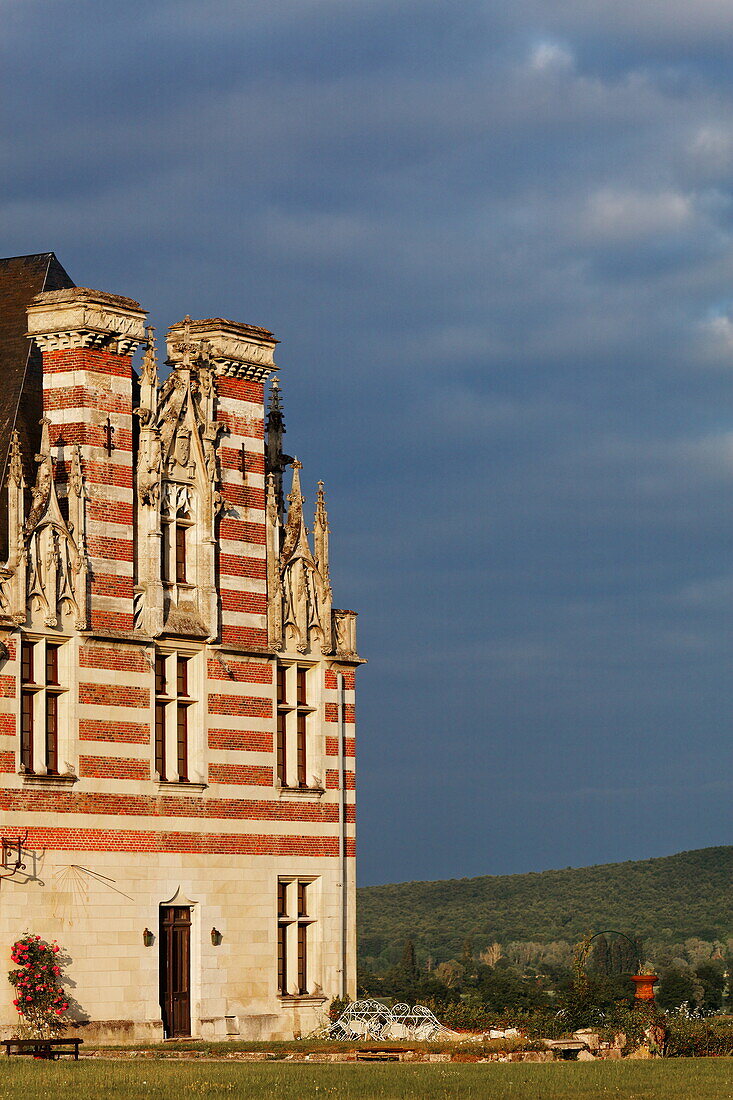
(299,589)
(47,569)
(177,477)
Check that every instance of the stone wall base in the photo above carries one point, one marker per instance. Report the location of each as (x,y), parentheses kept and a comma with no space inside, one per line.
(251,1028)
(105,1031)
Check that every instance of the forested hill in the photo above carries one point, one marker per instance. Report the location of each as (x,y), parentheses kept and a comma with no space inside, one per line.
(663,900)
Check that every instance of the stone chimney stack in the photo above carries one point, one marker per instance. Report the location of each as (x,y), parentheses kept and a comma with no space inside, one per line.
(87,339)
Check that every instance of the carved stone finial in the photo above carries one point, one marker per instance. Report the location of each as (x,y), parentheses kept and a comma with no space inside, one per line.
(76,478)
(45,448)
(185,349)
(320,545)
(276,460)
(150,362)
(295,496)
(271,498)
(306,591)
(15,468)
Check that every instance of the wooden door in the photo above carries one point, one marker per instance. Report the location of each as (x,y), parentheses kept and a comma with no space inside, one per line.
(175,969)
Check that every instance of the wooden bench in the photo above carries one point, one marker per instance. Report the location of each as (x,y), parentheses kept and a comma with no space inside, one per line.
(381,1054)
(43,1048)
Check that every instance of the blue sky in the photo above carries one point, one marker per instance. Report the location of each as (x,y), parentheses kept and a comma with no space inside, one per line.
(495,241)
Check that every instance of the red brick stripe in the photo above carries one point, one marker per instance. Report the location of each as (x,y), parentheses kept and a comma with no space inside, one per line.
(7,762)
(7,725)
(246,774)
(244,672)
(254,603)
(90,803)
(331,680)
(98,656)
(112,840)
(246,637)
(111,620)
(244,496)
(239,389)
(108,473)
(332,746)
(240,740)
(243,705)
(128,733)
(91,435)
(231,459)
(165,806)
(102,546)
(110,584)
(87,359)
(79,397)
(251,427)
(112,695)
(113,767)
(239,531)
(332,780)
(7,687)
(230,565)
(332,712)
(110,511)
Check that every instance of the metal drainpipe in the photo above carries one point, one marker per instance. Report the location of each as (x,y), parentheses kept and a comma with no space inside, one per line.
(342,829)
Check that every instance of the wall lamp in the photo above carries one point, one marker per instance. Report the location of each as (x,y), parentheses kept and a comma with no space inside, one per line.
(216,937)
(148,938)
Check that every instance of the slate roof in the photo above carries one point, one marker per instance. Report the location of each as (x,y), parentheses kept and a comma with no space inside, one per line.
(21,382)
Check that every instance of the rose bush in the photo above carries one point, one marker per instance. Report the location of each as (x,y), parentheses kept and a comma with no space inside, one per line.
(41,1000)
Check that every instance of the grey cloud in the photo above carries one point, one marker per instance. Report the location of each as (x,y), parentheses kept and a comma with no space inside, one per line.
(495,240)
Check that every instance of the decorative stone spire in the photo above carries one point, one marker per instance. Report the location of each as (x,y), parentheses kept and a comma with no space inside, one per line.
(295,532)
(77,514)
(184,350)
(320,535)
(304,590)
(41,491)
(15,465)
(320,541)
(57,567)
(275,460)
(13,573)
(274,582)
(149,380)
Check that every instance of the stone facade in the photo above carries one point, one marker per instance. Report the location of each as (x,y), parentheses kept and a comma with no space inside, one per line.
(177,690)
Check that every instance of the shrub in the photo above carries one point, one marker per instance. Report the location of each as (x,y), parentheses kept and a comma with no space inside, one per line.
(690,1038)
(41,1000)
(337,1007)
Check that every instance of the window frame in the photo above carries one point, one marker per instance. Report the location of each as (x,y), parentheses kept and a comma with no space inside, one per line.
(298,744)
(177,754)
(298,961)
(42,704)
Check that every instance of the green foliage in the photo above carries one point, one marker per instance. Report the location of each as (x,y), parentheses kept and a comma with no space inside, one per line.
(641,1024)
(665,901)
(41,1001)
(699,1038)
(337,1006)
(676,988)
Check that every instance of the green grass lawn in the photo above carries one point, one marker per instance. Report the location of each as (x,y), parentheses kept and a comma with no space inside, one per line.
(674,1079)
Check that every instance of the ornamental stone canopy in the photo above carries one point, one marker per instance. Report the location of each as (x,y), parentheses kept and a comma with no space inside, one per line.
(241,350)
(80,317)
